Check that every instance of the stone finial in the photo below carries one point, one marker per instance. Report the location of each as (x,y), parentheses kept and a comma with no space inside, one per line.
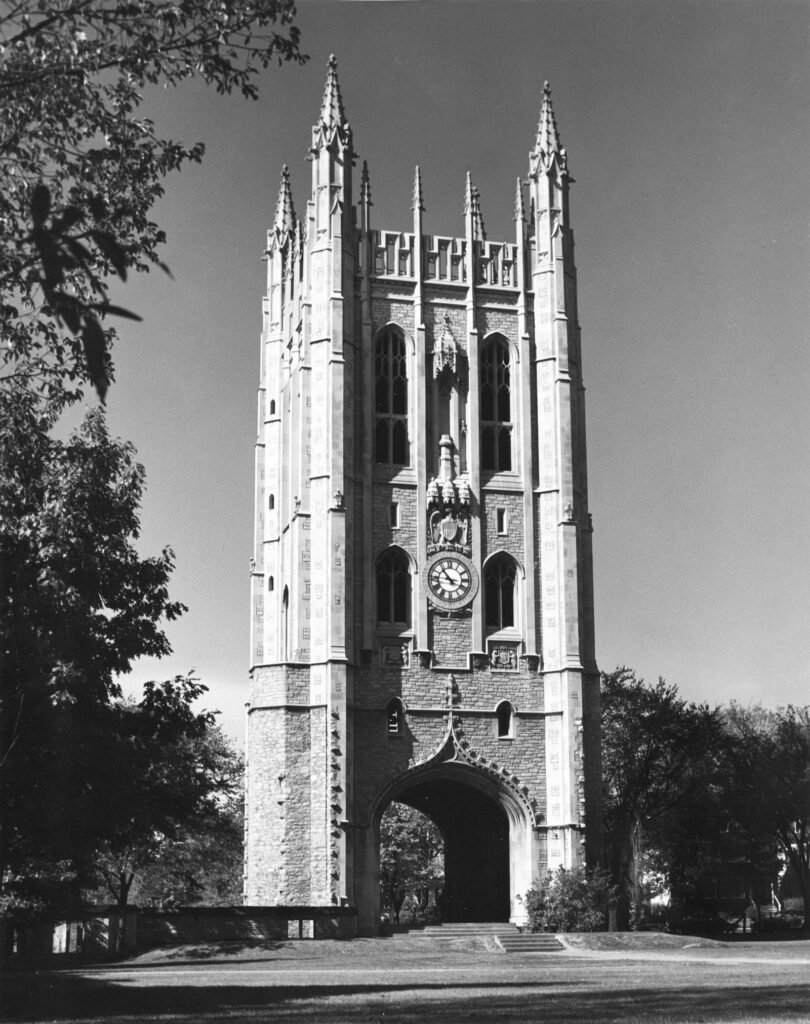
(416,202)
(365,186)
(285,214)
(519,211)
(332,113)
(547,143)
(468,195)
(478,220)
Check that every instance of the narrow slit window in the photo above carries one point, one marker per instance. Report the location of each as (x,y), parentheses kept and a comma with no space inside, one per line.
(394,717)
(501,521)
(505,715)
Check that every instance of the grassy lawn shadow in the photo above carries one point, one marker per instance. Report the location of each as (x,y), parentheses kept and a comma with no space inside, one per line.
(33,996)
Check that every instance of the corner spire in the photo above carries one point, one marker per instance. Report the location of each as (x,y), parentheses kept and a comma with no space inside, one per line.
(285,214)
(332,113)
(478,219)
(365,186)
(468,195)
(547,146)
(519,211)
(416,202)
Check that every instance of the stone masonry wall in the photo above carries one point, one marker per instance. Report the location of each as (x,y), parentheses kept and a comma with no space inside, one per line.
(512,541)
(450,639)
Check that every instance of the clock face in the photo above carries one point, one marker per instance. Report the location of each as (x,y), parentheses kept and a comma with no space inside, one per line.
(451,581)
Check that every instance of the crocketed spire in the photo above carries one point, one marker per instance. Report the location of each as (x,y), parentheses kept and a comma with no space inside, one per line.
(478,218)
(416,202)
(365,186)
(285,214)
(472,205)
(519,212)
(547,144)
(332,112)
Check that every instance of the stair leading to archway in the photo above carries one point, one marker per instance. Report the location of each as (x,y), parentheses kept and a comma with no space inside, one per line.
(506,935)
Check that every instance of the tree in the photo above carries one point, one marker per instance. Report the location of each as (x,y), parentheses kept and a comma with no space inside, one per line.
(411,857)
(767,793)
(572,900)
(77,605)
(80,170)
(659,754)
(175,830)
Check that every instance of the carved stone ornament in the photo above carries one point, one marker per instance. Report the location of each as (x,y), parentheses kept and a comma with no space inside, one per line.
(447,359)
(395,654)
(454,746)
(503,657)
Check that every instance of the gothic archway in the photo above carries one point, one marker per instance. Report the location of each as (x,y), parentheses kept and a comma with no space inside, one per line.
(488,836)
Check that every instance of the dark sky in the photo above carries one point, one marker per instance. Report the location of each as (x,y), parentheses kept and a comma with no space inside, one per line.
(688,132)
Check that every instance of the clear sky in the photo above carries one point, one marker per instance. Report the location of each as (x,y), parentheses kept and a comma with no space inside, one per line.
(688,132)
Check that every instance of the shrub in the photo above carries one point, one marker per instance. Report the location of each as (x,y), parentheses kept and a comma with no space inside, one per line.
(573,900)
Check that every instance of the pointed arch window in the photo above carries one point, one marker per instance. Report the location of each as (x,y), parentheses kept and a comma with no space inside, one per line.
(499,593)
(394,588)
(505,717)
(394,717)
(391,399)
(496,406)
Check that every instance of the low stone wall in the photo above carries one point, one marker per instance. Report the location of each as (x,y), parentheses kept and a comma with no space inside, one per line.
(92,932)
(218,924)
(103,932)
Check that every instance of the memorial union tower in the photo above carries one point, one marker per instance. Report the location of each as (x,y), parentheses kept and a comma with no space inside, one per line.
(422,587)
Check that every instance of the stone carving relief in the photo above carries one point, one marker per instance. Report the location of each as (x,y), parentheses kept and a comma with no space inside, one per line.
(395,654)
(503,657)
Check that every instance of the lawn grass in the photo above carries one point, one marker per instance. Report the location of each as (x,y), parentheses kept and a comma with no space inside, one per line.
(414,979)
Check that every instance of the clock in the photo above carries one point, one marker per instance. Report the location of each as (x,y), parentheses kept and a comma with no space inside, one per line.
(450,580)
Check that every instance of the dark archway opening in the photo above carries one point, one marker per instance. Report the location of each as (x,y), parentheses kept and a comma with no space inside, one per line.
(476,848)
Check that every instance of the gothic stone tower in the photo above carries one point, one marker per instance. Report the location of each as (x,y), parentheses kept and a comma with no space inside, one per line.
(422,624)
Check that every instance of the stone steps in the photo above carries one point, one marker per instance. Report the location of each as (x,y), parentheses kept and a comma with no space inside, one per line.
(505,934)
(536,942)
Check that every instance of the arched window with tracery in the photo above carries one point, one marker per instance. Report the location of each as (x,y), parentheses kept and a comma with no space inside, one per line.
(391,399)
(496,406)
(394,588)
(394,717)
(505,718)
(500,576)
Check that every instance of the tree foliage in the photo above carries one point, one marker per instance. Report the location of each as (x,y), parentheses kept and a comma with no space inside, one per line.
(77,605)
(80,169)
(659,758)
(767,795)
(177,834)
(411,857)
(572,900)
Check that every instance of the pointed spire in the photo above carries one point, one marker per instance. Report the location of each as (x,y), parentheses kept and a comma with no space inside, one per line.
(519,212)
(285,214)
(468,195)
(478,219)
(547,143)
(416,202)
(332,112)
(365,186)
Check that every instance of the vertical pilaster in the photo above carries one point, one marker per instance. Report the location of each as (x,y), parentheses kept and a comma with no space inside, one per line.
(420,389)
(473,401)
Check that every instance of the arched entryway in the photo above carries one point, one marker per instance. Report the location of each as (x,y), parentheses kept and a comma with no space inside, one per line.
(476,848)
(490,847)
